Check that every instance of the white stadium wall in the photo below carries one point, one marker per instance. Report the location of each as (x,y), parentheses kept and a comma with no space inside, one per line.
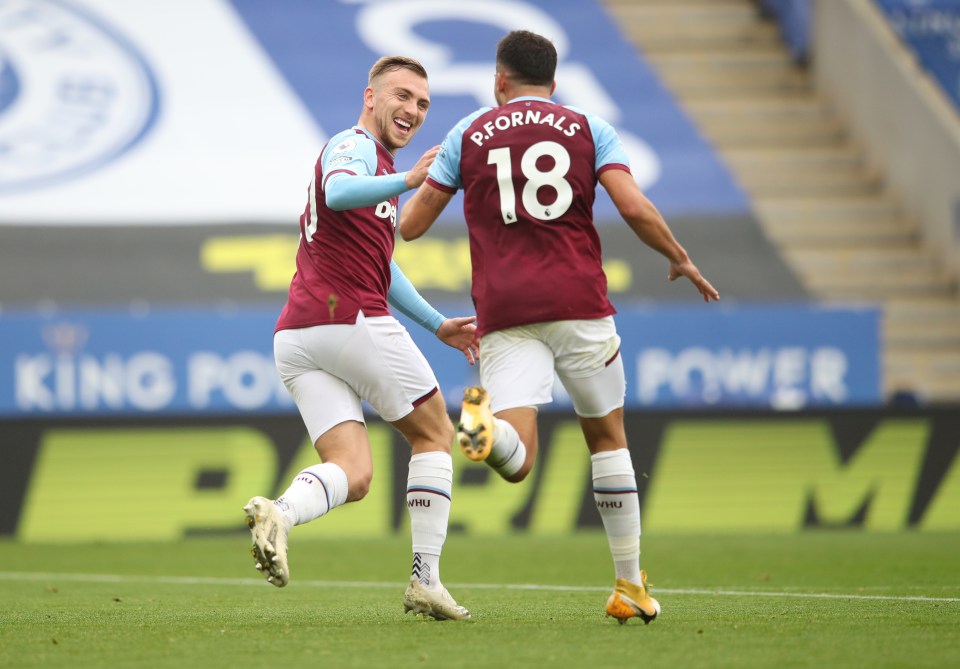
(905,122)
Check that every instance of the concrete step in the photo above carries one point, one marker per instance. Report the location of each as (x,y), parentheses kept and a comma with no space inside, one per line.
(921,335)
(687,11)
(811,188)
(923,310)
(922,323)
(828,234)
(661,27)
(862,292)
(866,272)
(867,259)
(656,40)
(786,182)
(737,133)
(761,109)
(767,122)
(784,176)
(725,61)
(713,18)
(837,210)
(698,86)
(772,143)
(869,272)
(735,81)
(713,91)
(826,162)
(933,372)
(938,360)
(875,286)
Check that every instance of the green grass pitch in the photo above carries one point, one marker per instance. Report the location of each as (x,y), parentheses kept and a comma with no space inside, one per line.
(825,599)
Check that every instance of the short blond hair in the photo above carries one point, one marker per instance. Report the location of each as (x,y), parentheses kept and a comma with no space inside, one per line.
(394,63)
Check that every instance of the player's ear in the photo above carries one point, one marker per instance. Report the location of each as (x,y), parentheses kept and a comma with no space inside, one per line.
(499,81)
(368,98)
(553,86)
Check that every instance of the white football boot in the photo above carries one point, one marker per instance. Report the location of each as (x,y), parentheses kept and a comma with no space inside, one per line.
(437,604)
(269,532)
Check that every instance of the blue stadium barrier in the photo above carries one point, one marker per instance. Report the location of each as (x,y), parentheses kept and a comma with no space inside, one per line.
(201,361)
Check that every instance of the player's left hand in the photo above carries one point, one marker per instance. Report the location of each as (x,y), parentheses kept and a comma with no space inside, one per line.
(461,334)
(689,270)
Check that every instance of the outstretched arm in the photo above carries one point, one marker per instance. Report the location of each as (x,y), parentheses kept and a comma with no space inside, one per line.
(459,333)
(647,223)
(421,210)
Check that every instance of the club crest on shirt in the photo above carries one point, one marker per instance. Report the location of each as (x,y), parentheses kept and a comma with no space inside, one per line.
(75,94)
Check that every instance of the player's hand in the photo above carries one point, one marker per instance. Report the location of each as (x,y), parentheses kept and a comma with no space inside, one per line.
(461,334)
(689,270)
(418,173)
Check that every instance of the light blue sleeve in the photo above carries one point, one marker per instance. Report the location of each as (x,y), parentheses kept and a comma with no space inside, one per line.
(345,191)
(405,298)
(351,161)
(610,150)
(445,169)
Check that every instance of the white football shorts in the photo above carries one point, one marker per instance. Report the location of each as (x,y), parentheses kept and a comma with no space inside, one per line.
(329,369)
(517,365)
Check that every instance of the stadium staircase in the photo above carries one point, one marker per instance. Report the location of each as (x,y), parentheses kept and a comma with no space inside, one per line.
(812,190)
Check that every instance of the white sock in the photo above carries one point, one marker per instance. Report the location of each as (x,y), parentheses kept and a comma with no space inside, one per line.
(615,492)
(312,493)
(429,482)
(508,453)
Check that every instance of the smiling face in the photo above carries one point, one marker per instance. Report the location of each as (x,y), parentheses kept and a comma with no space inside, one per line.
(395,106)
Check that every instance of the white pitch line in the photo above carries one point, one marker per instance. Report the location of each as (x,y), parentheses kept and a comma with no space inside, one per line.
(807,595)
(253,582)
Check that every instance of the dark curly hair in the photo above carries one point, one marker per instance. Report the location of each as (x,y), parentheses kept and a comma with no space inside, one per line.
(529,58)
